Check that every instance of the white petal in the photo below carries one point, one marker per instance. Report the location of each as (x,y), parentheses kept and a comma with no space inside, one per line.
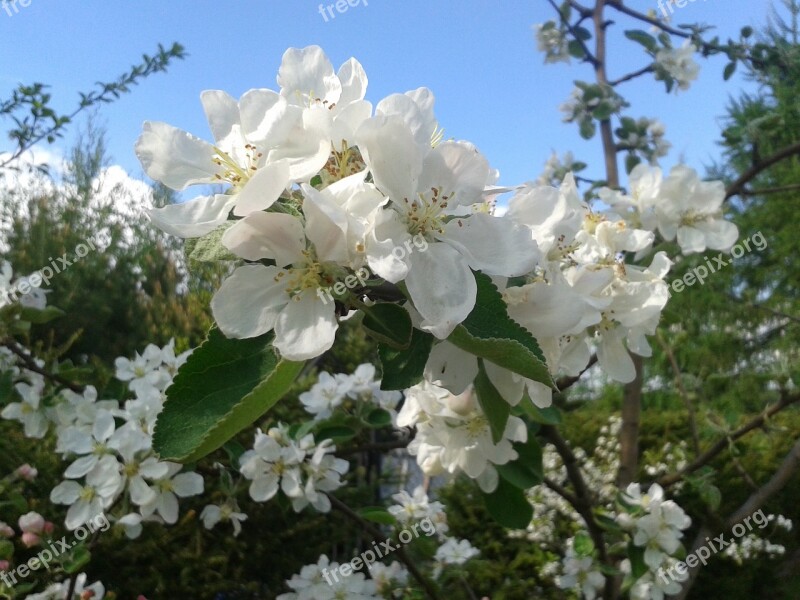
(175,158)
(267,235)
(188,484)
(326,226)
(248,302)
(308,71)
(222,113)
(65,492)
(393,156)
(354,81)
(168,507)
(456,167)
(263,189)
(494,245)
(266,119)
(306,327)
(81,467)
(450,367)
(442,288)
(194,218)
(614,358)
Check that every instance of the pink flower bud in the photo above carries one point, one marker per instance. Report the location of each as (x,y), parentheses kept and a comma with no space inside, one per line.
(32,522)
(49,527)
(6,530)
(27,472)
(4,564)
(30,539)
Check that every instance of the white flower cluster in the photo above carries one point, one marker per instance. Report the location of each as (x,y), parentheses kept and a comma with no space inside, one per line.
(334,391)
(81,591)
(680,206)
(322,186)
(301,469)
(311,584)
(416,507)
(25,290)
(580,573)
(752,545)
(116,459)
(453,434)
(108,446)
(679,64)
(553,42)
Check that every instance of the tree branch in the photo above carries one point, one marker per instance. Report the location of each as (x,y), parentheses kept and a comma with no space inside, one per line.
(30,364)
(722,444)
(427,586)
(737,186)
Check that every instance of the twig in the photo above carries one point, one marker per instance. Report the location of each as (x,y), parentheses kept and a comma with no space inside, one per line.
(686,400)
(430,592)
(590,58)
(722,444)
(634,75)
(30,364)
(737,186)
(772,190)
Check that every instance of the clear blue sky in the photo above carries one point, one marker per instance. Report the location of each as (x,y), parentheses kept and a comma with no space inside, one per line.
(478,56)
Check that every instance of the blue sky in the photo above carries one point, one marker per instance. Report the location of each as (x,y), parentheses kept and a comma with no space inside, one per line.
(479,57)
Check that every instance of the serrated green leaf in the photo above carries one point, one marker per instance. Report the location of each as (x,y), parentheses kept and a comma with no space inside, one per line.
(336,433)
(405,368)
(224,386)
(388,324)
(509,506)
(489,333)
(494,406)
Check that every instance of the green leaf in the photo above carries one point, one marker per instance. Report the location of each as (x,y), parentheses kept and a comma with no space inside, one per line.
(630,162)
(40,317)
(78,559)
(603,111)
(377,514)
(636,556)
(378,418)
(643,38)
(209,248)
(583,544)
(587,129)
(388,324)
(575,49)
(545,416)
(405,368)
(6,550)
(509,506)
(224,386)
(730,69)
(527,470)
(336,433)
(494,406)
(489,333)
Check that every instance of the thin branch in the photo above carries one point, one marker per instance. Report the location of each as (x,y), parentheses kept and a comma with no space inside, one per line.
(772,190)
(737,186)
(722,444)
(30,364)
(617,4)
(686,400)
(634,75)
(430,592)
(582,500)
(567,382)
(590,58)
(560,490)
(781,477)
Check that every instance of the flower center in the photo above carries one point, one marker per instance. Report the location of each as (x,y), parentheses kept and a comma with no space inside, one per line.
(234,173)
(424,215)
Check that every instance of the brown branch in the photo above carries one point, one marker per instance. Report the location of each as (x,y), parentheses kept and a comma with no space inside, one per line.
(590,58)
(30,364)
(617,4)
(737,186)
(582,500)
(756,500)
(568,381)
(427,586)
(722,444)
(634,75)
(772,190)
